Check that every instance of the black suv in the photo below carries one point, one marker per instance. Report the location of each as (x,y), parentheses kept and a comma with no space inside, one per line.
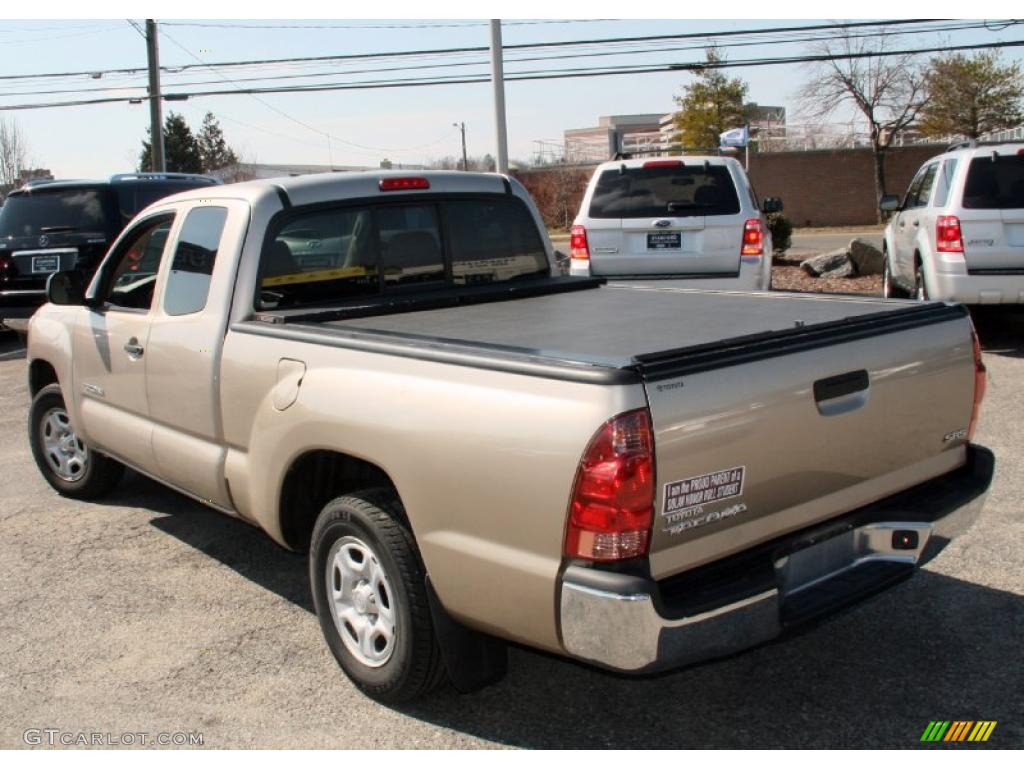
(49,226)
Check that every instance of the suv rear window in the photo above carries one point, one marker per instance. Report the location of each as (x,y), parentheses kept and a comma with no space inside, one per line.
(685,190)
(58,210)
(327,255)
(995,182)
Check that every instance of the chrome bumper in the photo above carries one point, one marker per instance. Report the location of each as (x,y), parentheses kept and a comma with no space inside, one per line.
(621,622)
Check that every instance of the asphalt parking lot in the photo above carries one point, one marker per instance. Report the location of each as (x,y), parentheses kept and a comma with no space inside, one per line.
(150,613)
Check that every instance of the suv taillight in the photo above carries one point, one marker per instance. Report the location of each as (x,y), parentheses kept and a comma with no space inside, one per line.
(948,238)
(753,238)
(578,248)
(612,504)
(980,382)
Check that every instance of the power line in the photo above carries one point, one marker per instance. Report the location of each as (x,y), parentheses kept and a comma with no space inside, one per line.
(443,25)
(520,46)
(540,75)
(510,61)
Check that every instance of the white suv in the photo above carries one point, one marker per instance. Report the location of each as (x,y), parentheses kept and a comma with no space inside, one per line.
(691,219)
(958,235)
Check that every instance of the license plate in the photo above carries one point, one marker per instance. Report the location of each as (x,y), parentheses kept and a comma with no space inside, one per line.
(663,241)
(45,263)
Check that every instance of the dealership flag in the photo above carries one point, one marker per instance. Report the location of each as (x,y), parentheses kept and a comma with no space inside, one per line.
(736,137)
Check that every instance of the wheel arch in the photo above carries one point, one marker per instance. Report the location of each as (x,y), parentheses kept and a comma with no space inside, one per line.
(314,478)
(40,374)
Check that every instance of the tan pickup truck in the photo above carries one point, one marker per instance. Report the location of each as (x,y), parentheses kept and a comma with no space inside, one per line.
(385,370)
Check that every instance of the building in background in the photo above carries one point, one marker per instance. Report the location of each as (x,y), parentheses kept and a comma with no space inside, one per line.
(635,134)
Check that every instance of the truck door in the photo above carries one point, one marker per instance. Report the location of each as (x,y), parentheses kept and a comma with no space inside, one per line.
(110,343)
(185,342)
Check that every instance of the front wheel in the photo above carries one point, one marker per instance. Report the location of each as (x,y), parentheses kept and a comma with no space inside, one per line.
(65,461)
(370,596)
(890,289)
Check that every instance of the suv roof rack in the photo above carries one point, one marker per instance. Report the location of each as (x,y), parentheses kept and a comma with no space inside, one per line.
(141,175)
(974,143)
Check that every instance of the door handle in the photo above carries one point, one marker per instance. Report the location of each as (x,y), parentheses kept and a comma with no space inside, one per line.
(133,348)
(916,222)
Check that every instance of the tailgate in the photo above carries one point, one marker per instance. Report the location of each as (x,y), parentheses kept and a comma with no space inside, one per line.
(685,245)
(764,435)
(993,240)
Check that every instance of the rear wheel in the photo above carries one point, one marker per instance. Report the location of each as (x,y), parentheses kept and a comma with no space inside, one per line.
(370,596)
(921,289)
(66,462)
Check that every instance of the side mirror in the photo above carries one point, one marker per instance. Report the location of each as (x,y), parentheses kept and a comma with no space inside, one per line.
(772,205)
(66,288)
(889,203)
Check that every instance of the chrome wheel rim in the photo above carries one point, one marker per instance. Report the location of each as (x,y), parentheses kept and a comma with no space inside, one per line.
(361,601)
(65,452)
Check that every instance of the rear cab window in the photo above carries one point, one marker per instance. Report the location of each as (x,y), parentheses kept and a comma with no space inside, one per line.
(995,182)
(346,252)
(673,190)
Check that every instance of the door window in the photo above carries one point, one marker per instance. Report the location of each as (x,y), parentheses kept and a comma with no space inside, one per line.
(921,187)
(129,279)
(945,182)
(188,283)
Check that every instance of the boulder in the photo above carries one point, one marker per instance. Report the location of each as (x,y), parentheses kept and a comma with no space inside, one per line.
(826,262)
(846,269)
(865,257)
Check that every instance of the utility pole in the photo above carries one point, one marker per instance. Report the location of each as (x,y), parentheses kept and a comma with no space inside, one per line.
(465,160)
(498,78)
(156,132)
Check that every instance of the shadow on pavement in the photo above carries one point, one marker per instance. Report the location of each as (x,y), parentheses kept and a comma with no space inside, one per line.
(1000,329)
(933,647)
(11,346)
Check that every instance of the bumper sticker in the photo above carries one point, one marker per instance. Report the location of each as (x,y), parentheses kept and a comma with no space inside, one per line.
(683,507)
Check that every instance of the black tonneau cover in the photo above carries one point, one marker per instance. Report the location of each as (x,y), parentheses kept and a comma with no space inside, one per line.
(649,330)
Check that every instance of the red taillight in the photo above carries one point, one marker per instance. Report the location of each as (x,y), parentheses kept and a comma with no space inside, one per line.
(663,164)
(403,182)
(753,239)
(578,248)
(612,503)
(980,382)
(948,238)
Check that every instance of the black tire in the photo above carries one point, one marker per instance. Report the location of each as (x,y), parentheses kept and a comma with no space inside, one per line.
(890,289)
(375,518)
(921,287)
(95,476)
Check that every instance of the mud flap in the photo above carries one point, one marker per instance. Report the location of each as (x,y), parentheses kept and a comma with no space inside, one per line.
(473,660)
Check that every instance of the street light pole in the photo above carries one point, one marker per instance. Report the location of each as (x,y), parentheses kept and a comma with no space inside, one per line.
(498,78)
(156,133)
(465,159)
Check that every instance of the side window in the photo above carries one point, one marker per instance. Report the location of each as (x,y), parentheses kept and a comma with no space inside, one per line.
(924,192)
(910,199)
(129,282)
(945,183)
(188,283)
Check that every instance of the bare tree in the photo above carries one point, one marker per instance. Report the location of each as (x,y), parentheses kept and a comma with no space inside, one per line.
(13,152)
(887,90)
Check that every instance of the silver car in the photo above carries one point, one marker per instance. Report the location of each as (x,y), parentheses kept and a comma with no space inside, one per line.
(692,219)
(958,233)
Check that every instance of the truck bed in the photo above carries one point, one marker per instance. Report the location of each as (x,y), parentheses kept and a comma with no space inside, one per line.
(607,332)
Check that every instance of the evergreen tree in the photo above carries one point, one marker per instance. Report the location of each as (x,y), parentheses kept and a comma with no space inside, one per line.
(181,149)
(213,148)
(970,96)
(709,106)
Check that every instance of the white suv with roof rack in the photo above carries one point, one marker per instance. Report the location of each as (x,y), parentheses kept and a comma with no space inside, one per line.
(958,233)
(691,219)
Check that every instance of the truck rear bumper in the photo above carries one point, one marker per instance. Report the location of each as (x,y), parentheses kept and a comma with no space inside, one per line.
(632,624)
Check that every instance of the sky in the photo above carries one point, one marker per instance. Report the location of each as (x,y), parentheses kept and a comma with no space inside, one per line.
(410,125)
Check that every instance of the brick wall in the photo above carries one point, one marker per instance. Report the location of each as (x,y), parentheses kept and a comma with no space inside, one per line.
(820,188)
(833,187)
